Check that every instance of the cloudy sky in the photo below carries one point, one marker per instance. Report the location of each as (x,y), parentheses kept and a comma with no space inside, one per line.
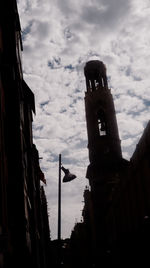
(59,36)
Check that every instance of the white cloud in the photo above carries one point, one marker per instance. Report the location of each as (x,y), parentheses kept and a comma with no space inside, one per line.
(59,36)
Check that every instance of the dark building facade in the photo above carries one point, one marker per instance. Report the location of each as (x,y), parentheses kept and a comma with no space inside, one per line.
(116,215)
(24,229)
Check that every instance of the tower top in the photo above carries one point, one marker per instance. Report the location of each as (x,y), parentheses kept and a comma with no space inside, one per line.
(94,68)
(95,73)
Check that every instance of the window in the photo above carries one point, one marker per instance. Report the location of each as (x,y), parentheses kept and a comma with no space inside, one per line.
(102,123)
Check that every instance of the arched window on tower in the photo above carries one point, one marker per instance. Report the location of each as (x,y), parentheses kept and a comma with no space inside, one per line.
(102,123)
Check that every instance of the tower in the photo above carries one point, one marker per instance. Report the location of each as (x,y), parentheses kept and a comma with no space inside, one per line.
(103,138)
(105,154)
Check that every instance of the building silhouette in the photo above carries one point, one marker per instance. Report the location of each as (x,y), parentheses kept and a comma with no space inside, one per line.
(24,229)
(116,216)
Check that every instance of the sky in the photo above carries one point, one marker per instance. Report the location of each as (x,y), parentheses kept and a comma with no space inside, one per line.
(59,37)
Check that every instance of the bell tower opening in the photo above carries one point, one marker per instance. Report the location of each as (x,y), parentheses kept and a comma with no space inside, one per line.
(102,126)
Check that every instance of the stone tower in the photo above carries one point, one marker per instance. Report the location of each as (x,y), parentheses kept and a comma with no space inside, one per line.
(104,147)
(103,137)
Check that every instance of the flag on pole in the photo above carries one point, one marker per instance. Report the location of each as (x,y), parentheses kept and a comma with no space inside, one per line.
(68,176)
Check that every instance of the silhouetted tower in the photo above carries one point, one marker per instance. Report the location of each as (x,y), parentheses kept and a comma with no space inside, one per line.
(103,137)
(104,146)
